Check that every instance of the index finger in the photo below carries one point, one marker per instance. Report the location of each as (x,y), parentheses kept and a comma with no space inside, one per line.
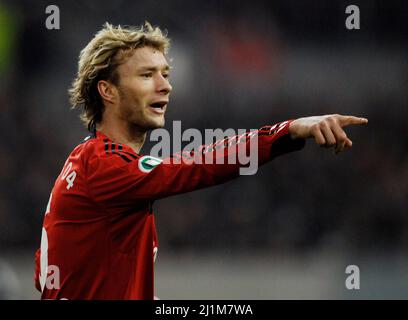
(348,120)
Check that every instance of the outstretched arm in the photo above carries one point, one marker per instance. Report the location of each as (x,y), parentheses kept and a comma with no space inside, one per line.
(110,176)
(327,130)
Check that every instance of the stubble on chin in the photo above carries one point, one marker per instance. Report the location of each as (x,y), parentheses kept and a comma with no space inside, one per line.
(146,123)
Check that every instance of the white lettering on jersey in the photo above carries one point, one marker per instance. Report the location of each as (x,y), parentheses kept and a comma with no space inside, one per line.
(68,176)
(155,249)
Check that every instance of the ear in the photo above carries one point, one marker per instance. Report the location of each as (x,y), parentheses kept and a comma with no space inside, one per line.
(107,91)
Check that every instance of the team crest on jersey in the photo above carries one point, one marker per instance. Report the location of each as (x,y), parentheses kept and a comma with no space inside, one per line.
(148,163)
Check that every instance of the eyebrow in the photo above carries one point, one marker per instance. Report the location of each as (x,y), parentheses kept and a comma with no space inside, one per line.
(148,68)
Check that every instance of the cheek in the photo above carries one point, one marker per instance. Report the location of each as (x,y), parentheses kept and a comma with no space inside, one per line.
(139,91)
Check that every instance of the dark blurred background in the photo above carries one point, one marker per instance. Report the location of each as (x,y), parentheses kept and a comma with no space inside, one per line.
(290,230)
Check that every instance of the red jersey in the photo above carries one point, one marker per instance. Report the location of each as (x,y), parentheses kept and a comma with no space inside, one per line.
(99,239)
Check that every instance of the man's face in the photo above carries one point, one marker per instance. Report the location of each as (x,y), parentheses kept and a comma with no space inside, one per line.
(144,89)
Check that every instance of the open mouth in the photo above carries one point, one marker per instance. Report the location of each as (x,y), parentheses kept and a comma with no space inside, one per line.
(158,107)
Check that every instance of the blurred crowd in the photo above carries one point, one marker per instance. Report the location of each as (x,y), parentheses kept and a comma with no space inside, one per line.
(236,65)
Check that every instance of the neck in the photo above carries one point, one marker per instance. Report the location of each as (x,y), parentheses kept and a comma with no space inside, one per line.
(127,134)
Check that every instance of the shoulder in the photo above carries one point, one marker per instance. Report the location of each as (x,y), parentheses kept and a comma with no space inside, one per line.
(90,146)
(99,150)
(100,153)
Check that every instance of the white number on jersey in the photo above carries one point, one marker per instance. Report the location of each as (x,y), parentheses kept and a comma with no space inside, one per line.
(69,178)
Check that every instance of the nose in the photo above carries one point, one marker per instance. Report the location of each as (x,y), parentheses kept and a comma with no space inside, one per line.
(164,85)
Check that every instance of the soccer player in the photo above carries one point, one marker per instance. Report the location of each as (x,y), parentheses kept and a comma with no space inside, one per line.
(98,238)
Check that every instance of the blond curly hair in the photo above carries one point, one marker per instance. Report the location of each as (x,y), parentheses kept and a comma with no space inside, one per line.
(100,59)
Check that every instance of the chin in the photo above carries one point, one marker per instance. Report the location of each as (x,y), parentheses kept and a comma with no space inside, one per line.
(156,125)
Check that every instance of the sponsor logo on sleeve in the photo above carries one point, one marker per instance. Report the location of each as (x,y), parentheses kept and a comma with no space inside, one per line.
(148,163)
